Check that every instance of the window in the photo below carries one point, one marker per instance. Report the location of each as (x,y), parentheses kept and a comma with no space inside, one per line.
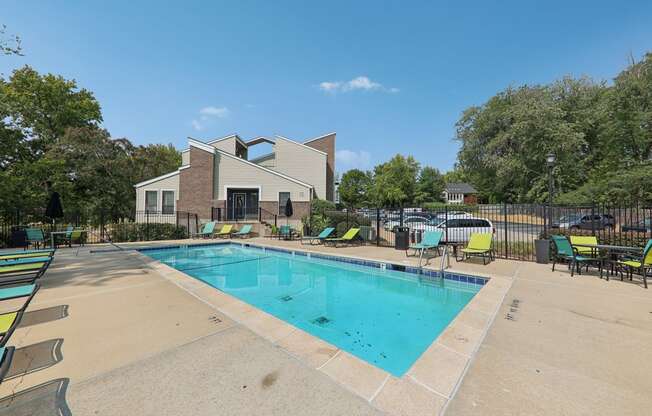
(151,201)
(167,205)
(282,200)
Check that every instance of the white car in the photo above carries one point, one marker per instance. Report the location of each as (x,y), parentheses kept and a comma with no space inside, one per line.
(413,223)
(453,214)
(460,229)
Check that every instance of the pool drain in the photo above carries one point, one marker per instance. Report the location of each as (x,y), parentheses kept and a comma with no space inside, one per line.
(321,321)
(285,298)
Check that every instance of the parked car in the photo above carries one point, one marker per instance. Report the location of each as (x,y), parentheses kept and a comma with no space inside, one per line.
(585,222)
(642,226)
(454,214)
(412,222)
(460,229)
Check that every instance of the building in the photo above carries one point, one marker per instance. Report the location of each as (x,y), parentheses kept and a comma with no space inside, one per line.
(217,180)
(460,193)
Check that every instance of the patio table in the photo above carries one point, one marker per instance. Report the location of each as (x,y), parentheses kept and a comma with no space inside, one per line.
(53,233)
(613,252)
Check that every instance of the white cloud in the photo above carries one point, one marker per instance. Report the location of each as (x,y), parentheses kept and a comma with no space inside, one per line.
(207,115)
(359,83)
(350,159)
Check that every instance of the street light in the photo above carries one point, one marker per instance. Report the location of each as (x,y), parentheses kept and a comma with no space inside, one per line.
(550,162)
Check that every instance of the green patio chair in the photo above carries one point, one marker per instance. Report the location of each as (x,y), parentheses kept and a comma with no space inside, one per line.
(430,240)
(245,231)
(349,237)
(479,245)
(585,239)
(207,230)
(318,238)
(35,237)
(642,265)
(285,232)
(564,251)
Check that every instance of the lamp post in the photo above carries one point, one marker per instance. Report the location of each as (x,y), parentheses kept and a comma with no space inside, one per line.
(550,162)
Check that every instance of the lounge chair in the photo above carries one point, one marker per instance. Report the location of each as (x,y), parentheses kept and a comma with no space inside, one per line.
(479,245)
(319,238)
(207,230)
(564,251)
(225,231)
(643,265)
(35,237)
(25,260)
(74,235)
(6,355)
(431,239)
(245,231)
(22,273)
(349,237)
(585,239)
(25,254)
(285,232)
(9,321)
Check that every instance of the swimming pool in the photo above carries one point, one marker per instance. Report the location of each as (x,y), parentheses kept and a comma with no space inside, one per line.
(385,317)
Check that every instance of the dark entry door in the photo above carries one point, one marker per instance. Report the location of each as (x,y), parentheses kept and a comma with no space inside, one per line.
(239,205)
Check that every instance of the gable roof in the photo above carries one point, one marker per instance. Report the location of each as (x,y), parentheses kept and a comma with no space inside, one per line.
(460,188)
(320,137)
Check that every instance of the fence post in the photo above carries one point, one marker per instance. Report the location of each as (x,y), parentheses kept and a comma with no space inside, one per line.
(101,226)
(593,218)
(377,227)
(505,225)
(188,224)
(347,218)
(401,216)
(446,221)
(260,214)
(146,225)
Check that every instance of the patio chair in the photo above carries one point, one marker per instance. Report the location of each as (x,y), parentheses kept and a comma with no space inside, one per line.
(642,265)
(25,254)
(35,237)
(6,355)
(285,232)
(318,238)
(225,231)
(585,239)
(207,230)
(564,251)
(479,245)
(74,235)
(431,239)
(349,237)
(9,321)
(245,231)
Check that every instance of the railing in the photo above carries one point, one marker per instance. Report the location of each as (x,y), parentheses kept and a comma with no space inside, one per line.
(267,217)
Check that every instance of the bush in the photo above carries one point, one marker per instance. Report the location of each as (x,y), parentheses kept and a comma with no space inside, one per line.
(127,232)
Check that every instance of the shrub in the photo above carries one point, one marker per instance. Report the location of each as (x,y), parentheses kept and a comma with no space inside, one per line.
(146,232)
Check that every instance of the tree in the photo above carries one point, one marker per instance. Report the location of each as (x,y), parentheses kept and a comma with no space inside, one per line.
(430,186)
(354,188)
(154,160)
(395,182)
(9,44)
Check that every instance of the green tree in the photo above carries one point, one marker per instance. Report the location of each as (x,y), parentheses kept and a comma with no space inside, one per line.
(430,186)
(154,160)
(395,182)
(354,188)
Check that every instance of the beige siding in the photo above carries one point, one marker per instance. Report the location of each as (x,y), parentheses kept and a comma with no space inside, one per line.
(171,183)
(185,157)
(235,173)
(302,163)
(268,161)
(226,145)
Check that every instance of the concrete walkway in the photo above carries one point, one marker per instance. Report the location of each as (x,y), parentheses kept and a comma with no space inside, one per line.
(108,336)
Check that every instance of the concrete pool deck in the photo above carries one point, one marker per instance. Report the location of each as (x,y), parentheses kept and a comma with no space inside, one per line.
(135,339)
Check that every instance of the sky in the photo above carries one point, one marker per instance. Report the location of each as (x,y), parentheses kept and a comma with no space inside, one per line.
(389,77)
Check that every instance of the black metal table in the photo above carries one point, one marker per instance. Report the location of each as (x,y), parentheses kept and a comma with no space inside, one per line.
(612,253)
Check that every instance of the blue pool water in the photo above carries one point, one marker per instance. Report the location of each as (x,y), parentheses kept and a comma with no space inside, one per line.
(385,317)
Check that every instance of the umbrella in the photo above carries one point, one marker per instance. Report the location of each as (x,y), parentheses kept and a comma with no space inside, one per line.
(288,209)
(54,209)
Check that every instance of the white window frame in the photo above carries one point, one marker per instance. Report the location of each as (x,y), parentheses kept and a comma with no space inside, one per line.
(145,199)
(174,200)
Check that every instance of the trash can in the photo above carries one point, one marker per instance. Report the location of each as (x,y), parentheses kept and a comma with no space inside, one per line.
(402,238)
(542,250)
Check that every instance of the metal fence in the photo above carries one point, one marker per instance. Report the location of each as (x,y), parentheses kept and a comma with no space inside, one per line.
(101,227)
(514,226)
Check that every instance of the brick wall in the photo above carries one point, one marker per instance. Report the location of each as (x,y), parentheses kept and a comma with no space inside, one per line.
(326,144)
(196,184)
(470,199)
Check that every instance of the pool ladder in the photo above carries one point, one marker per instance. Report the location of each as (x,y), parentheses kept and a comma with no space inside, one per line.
(445,261)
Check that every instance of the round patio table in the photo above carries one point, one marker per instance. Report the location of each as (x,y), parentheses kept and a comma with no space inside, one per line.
(612,253)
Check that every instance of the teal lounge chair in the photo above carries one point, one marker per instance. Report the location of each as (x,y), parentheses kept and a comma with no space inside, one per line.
(285,232)
(12,255)
(35,237)
(319,238)
(565,252)
(431,239)
(9,321)
(207,230)
(6,355)
(245,231)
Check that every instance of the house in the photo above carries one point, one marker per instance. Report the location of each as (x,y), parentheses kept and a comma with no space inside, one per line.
(460,193)
(218,181)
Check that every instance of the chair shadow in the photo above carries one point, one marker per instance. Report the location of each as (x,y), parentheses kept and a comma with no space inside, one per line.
(35,357)
(48,398)
(41,316)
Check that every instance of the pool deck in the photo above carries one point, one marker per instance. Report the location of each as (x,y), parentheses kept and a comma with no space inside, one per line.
(117,333)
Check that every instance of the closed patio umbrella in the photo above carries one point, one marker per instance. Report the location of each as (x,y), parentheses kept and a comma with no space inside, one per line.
(54,209)
(288,210)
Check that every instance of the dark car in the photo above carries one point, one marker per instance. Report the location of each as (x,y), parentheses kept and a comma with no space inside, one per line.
(642,226)
(585,222)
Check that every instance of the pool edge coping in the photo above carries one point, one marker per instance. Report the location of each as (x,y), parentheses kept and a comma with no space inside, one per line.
(485,303)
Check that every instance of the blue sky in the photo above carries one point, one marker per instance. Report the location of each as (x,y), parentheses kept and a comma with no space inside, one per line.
(388,77)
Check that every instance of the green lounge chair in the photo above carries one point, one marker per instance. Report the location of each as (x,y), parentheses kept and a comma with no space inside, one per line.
(245,231)
(35,237)
(349,237)
(643,265)
(9,321)
(26,260)
(25,254)
(319,238)
(22,273)
(6,355)
(585,239)
(431,239)
(285,232)
(225,231)
(207,230)
(564,251)
(480,245)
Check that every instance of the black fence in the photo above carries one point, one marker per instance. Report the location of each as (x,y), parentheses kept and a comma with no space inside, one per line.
(515,227)
(101,227)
